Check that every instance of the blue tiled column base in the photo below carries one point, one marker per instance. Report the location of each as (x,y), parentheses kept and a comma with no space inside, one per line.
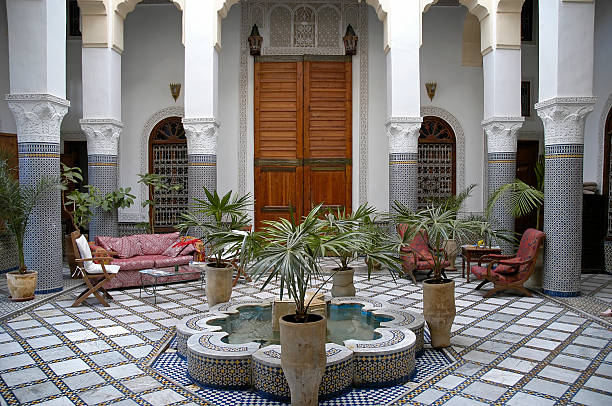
(403,179)
(563,220)
(43,238)
(202,173)
(502,170)
(102,173)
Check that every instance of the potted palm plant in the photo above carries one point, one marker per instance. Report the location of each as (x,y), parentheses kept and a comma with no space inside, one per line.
(523,199)
(437,225)
(290,253)
(16,204)
(223,221)
(368,240)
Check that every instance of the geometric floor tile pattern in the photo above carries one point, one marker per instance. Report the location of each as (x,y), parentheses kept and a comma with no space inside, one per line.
(509,349)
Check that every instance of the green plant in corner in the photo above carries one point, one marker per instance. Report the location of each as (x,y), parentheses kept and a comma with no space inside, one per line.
(17,203)
(153,182)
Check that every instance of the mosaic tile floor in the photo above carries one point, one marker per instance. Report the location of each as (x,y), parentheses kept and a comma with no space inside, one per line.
(510,350)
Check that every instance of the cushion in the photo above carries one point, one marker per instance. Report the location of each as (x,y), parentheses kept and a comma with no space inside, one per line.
(173,251)
(188,249)
(135,263)
(155,244)
(164,262)
(96,269)
(125,247)
(84,251)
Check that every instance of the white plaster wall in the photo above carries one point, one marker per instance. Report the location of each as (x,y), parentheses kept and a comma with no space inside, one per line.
(378,143)
(153,58)
(7,122)
(228,110)
(602,89)
(459,90)
(532,128)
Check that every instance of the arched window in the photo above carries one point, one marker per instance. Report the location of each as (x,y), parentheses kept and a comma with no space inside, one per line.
(607,176)
(168,157)
(437,156)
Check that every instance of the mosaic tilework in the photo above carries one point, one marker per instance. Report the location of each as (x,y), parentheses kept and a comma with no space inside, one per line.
(608,251)
(8,253)
(102,173)
(43,241)
(403,179)
(202,172)
(125,229)
(563,220)
(502,170)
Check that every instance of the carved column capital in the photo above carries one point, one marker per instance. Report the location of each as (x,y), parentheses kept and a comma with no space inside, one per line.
(403,133)
(201,135)
(563,119)
(102,135)
(38,116)
(502,133)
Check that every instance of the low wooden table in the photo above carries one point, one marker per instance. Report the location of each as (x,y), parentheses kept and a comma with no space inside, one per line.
(472,253)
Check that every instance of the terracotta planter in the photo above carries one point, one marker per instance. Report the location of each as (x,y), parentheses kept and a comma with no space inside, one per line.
(303,357)
(535,280)
(21,286)
(218,284)
(439,310)
(451,249)
(343,283)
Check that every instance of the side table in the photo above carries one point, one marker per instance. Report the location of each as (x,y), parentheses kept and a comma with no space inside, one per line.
(472,253)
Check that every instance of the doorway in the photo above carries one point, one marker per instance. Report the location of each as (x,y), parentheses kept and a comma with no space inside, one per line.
(527,153)
(303,131)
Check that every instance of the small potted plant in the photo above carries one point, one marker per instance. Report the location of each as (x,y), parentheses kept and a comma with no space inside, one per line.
(223,221)
(16,204)
(437,225)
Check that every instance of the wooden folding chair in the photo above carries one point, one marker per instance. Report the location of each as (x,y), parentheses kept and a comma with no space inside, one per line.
(95,275)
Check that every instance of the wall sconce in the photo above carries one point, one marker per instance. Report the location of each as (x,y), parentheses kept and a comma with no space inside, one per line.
(175,90)
(350,41)
(255,41)
(431,89)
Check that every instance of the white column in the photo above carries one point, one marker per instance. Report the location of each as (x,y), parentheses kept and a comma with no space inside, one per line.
(37,63)
(201,95)
(566,97)
(403,100)
(102,126)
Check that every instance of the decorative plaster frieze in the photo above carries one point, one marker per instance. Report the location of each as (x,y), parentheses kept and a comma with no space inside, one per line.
(502,133)
(102,135)
(563,119)
(201,135)
(38,116)
(403,133)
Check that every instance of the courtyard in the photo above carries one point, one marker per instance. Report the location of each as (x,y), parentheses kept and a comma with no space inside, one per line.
(504,350)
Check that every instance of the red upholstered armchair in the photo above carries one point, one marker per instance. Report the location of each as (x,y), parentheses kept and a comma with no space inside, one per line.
(418,253)
(511,272)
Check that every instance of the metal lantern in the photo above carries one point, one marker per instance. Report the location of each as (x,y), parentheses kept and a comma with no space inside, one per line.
(255,41)
(350,41)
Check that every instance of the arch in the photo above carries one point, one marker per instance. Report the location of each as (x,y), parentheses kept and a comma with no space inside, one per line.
(606,184)
(124,7)
(470,46)
(171,111)
(459,140)
(602,140)
(168,158)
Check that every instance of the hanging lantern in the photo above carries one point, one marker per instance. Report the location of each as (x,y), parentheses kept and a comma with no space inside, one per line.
(255,41)
(175,90)
(350,41)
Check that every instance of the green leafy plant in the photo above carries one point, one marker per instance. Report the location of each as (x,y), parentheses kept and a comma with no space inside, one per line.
(17,203)
(224,222)
(440,225)
(523,199)
(153,182)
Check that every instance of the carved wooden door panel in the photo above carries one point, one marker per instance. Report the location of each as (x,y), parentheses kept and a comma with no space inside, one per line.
(302,136)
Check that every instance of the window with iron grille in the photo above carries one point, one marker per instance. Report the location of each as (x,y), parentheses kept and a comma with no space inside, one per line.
(168,157)
(436,160)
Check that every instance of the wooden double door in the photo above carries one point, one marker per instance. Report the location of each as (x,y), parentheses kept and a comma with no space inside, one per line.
(303,146)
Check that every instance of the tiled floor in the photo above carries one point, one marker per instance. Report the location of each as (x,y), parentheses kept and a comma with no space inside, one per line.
(510,350)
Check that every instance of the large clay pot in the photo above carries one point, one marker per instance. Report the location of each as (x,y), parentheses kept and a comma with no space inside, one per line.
(439,310)
(451,249)
(535,280)
(343,282)
(218,284)
(21,286)
(303,357)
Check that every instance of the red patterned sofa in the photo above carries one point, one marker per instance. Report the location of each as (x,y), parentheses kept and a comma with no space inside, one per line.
(143,251)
